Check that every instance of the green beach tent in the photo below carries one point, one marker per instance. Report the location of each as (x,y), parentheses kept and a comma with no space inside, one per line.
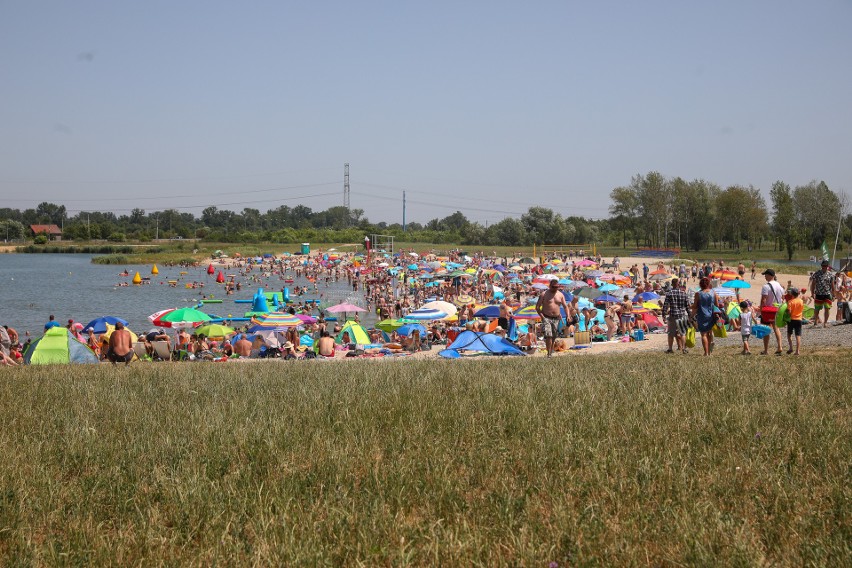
(58,346)
(357,333)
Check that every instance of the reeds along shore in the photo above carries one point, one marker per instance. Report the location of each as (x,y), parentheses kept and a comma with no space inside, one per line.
(615,460)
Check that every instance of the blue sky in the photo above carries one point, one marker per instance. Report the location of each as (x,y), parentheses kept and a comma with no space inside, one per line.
(483,107)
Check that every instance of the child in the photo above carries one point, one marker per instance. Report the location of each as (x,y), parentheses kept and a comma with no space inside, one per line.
(745,325)
(796,309)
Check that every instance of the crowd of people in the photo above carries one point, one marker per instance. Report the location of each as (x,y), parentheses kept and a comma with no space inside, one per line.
(569,294)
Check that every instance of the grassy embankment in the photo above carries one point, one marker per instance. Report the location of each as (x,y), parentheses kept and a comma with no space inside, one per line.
(612,460)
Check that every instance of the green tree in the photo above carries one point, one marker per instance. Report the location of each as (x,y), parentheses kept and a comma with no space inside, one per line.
(625,212)
(783,216)
(817,211)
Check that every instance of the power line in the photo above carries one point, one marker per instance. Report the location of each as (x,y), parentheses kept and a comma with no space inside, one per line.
(205,205)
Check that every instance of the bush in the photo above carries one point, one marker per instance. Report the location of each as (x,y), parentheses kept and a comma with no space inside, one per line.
(116,237)
(40,240)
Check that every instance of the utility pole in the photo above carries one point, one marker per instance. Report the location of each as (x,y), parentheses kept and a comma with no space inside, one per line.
(346,187)
(157,231)
(403,211)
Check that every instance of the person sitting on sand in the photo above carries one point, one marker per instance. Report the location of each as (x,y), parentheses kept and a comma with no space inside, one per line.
(120,345)
(412,342)
(325,345)
(243,346)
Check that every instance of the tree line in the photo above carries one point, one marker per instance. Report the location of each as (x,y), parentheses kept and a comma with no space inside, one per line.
(651,211)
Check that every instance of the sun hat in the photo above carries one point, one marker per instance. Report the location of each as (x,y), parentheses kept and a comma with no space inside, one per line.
(302,348)
(288,345)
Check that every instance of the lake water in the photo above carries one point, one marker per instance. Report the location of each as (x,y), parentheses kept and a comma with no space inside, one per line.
(33,286)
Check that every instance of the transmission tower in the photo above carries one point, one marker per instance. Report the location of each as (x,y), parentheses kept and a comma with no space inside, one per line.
(346,186)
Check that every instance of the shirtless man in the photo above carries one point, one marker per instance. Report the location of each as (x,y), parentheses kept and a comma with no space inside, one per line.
(243,347)
(325,344)
(120,345)
(547,308)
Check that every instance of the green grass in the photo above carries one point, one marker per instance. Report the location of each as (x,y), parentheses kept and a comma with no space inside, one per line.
(610,460)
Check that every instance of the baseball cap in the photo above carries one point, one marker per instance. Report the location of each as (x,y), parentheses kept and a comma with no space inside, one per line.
(769,271)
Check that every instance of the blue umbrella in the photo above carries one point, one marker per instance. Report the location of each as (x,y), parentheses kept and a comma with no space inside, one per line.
(488,312)
(605,298)
(409,328)
(608,288)
(412,267)
(646,297)
(736,284)
(99,324)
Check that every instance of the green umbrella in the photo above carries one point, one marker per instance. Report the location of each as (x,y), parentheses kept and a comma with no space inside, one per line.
(389,325)
(215,330)
(182,317)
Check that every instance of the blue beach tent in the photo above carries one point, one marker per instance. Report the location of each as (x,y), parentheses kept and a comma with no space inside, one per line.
(479,341)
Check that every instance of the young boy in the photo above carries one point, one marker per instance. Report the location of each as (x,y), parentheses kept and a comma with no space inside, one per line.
(745,325)
(796,309)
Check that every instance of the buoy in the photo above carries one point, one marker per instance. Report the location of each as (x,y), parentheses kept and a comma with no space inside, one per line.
(137,279)
(154,270)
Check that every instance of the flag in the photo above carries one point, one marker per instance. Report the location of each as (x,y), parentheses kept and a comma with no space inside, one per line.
(825,255)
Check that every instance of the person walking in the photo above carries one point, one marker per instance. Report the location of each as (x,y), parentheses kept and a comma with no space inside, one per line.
(675,312)
(822,290)
(703,308)
(548,308)
(796,308)
(770,294)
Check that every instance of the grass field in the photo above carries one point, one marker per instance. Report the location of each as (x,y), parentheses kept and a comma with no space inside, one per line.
(608,460)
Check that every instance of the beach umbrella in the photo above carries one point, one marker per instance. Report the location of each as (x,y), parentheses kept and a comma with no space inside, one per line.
(587,292)
(605,298)
(585,262)
(724,292)
(565,282)
(594,273)
(215,330)
(306,319)
(660,276)
(464,300)
(441,306)
(526,260)
(529,313)
(273,321)
(99,325)
(608,288)
(409,328)
(389,325)
(651,305)
(412,267)
(426,314)
(736,284)
(182,317)
(659,271)
(343,308)
(724,275)
(492,311)
(645,296)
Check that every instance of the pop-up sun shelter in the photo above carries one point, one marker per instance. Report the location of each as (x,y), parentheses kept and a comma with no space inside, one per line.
(58,346)
(357,333)
(479,341)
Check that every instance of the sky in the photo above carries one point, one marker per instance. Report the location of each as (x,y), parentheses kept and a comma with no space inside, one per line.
(487,108)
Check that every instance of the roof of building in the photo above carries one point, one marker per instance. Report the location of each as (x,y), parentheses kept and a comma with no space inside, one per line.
(49,229)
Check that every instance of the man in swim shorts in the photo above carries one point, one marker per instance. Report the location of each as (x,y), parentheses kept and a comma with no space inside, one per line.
(822,289)
(547,307)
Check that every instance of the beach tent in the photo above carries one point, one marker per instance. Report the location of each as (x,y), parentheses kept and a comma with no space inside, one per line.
(357,333)
(482,342)
(57,345)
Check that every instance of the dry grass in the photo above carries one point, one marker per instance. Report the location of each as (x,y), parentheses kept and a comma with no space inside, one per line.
(617,460)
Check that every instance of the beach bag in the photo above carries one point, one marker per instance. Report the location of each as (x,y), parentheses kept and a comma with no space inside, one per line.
(719,331)
(689,338)
(760,331)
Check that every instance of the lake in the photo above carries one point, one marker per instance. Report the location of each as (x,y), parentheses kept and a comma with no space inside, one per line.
(33,286)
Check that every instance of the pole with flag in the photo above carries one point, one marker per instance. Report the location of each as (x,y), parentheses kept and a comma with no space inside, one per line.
(825,255)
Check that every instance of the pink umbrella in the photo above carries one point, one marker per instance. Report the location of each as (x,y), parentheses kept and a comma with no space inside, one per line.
(344,307)
(306,318)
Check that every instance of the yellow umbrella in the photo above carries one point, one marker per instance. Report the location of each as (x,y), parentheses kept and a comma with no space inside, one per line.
(651,305)
(110,328)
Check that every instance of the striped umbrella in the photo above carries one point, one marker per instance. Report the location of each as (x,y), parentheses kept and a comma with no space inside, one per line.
(274,320)
(426,314)
(182,318)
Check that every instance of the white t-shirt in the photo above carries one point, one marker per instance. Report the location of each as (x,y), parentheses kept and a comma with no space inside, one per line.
(775,292)
(745,323)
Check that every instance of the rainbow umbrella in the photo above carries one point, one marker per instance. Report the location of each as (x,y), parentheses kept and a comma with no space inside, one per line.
(273,321)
